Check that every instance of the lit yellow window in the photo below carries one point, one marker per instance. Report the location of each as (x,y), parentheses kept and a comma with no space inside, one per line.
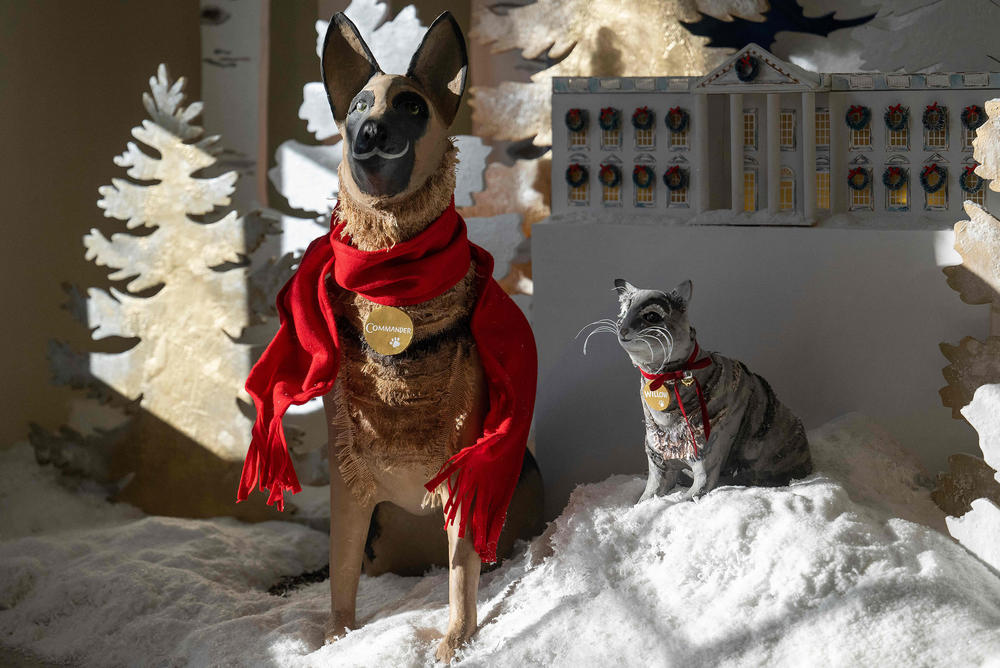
(822,190)
(978,197)
(578,138)
(937,138)
(899,139)
(968,136)
(679,196)
(822,127)
(786,130)
(611,138)
(579,193)
(862,199)
(786,190)
(898,200)
(645,138)
(749,190)
(645,196)
(861,138)
(938,199)
(679,139)
(749,128)
(611,194)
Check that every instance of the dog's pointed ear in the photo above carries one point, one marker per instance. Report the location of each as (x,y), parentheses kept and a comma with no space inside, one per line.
(440,65)
(348,64)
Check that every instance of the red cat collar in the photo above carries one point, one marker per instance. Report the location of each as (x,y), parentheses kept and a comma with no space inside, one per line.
(684,375)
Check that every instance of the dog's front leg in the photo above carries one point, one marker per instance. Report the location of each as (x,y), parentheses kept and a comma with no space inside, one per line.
(348,532)
(463,587)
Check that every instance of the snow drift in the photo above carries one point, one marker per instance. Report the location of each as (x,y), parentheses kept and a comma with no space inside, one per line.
(817,573)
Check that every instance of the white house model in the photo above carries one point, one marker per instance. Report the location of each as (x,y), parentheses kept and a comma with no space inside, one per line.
(760,140)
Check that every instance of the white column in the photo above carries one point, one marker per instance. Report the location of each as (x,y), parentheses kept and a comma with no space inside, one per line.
(773,151)
(700,138)
(736,151)
(808,172)
(838,154)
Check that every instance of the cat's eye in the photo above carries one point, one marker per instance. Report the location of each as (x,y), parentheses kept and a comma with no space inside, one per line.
(361,106)
(652,316)
(412,108)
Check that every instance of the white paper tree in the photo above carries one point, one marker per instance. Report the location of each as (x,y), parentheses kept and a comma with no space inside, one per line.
(186,366)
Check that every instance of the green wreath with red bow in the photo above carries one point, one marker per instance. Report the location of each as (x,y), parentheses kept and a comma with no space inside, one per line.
(971,182)
(933,177)
(973,117)
(935,117)
(747,68)
(576,175)
(610,119)
(677,119)
(643,176)
(642,118)
(858,117)
(897,117)
(858,178)
(610,175)
(894,178)
(675,178)
(576,119)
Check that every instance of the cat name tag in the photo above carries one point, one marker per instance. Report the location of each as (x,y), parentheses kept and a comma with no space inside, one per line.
(388,330)
(659,399)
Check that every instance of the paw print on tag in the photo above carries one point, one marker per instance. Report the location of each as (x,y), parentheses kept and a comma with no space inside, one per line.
(394,342)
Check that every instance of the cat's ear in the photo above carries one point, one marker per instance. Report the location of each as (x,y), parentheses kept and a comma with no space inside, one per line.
(683,291)
(624,288)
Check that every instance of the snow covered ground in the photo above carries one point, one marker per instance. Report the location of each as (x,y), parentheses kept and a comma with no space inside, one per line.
(824,572)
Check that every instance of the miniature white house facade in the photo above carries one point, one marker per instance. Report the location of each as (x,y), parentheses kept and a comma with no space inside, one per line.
(759,140)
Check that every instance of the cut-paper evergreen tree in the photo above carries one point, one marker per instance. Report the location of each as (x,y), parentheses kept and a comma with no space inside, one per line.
(970,490)
(162,419)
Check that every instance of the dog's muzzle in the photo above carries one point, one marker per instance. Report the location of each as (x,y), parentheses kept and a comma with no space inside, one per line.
(371,142)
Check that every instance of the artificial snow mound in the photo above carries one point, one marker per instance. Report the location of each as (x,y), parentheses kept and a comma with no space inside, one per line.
(791,576)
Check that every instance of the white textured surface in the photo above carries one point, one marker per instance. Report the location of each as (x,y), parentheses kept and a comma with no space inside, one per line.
(813,574)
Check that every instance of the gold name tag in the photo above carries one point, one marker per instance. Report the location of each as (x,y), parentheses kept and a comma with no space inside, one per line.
(388,330)
(659,399)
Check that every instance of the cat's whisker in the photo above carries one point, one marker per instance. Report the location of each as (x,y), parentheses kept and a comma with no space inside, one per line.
(666,356)
(645,339)
(667,335)
(604,321)
(602,328)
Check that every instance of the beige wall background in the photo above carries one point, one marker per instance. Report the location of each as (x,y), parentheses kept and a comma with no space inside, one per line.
(71,76)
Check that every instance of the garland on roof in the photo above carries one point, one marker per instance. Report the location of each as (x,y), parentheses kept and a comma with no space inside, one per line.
(675,178)
(610,119)
(933,177)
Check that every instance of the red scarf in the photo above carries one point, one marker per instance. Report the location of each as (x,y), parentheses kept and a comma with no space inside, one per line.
(681,374)
(302,361)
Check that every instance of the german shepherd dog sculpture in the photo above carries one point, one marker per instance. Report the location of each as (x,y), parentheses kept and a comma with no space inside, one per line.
(396,420)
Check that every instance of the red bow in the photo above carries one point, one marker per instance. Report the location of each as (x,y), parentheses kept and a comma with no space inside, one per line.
(896,108)
(857,171)
(929,168)
(684,375)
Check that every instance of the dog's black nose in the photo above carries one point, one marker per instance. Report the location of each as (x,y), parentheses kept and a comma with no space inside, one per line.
(371,135)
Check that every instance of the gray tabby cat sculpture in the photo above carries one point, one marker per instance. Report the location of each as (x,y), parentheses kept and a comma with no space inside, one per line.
(706,415)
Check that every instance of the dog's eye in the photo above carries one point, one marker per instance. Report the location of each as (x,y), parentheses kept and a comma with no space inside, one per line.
(652,316)
(361,105)
(412,108)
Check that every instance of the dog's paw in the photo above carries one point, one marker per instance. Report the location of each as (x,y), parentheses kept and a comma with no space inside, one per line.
(337,626)
(452,640)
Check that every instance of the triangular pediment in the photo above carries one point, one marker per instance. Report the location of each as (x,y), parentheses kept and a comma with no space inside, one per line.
(762,72)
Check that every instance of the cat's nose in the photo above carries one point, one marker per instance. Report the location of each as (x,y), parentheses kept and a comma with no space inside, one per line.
(623,332)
